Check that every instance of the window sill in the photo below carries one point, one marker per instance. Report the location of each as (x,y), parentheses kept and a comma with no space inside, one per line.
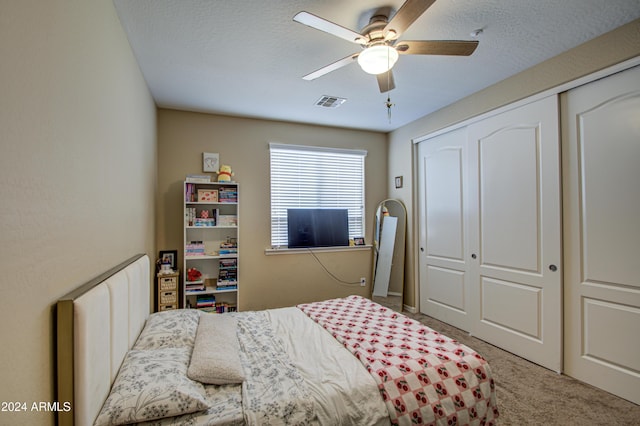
(286,250)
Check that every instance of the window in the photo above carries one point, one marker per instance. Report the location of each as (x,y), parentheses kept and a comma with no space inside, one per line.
(315,177)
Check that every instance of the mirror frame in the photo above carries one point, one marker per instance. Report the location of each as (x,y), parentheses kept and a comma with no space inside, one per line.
(395,208)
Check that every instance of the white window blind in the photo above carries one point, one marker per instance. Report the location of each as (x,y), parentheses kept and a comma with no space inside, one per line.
(315,177)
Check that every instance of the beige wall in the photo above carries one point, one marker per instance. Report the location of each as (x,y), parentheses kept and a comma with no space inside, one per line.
(77,174)
(607,50)
(274,280)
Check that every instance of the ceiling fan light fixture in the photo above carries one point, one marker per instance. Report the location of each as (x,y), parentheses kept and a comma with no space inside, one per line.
(377,59)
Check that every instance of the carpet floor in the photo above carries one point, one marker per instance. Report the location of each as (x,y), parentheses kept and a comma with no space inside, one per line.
(529,394)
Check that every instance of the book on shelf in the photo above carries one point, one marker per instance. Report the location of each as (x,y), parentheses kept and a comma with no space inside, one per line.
(227,195)
(220,308)
(194,248)
(189,190)
(189,215)
(228,273)
(194,286)
(228,248)
(227,288)
(198,178)
(227,277)
(228,262)
(205,301)
(208,221)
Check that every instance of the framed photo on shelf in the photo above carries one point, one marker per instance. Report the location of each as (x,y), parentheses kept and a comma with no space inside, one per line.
(210,162)
(359,241)
(169,256)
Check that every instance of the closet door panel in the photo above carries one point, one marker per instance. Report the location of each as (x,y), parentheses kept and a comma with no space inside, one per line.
(602,233)
(514,231)
(443,181)
(509,199)
(600,318)
(447,287)
(443,228)
(610,159)
(512,306)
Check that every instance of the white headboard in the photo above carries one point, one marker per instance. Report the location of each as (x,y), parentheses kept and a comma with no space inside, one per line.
(96,325)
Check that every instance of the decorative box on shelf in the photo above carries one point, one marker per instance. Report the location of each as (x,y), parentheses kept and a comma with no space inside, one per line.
(207,195)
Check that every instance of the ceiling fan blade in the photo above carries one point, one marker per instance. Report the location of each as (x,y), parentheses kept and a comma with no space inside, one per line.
(385,81)
(331,67)
(437,47)
(405,16)
(329,27)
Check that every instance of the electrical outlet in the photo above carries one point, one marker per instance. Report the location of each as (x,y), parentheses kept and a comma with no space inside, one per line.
(363,282)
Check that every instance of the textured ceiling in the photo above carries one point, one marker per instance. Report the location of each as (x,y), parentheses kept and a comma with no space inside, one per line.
(247,57)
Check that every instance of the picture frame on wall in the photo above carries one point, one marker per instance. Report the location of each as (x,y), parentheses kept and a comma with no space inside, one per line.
(398,181)
(171,256)
(210,162)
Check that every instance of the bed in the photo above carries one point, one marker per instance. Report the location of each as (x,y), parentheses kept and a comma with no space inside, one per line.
(339,362)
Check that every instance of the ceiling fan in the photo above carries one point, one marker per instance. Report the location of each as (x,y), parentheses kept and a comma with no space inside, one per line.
(379,40)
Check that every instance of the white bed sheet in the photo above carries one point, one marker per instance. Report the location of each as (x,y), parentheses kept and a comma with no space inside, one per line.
(343,390)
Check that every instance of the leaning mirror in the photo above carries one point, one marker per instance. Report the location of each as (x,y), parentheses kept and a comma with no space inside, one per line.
(390,226)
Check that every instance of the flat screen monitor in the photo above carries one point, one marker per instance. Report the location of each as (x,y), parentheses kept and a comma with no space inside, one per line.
(317,227)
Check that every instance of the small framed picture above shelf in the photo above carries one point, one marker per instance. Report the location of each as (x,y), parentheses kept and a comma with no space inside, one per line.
(210,162)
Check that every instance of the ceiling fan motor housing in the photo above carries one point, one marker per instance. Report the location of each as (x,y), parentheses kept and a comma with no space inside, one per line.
(374,31)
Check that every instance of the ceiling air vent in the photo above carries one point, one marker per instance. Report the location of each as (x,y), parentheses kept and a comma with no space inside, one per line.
(330,101)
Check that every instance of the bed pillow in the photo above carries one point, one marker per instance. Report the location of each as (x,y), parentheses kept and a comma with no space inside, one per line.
(169,329)
(216,358)
(152,385)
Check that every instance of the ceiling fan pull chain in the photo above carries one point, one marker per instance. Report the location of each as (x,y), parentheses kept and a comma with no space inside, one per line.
(389,105)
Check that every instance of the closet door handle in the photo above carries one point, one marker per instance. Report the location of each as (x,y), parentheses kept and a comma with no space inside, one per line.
(473,256)
(553,268)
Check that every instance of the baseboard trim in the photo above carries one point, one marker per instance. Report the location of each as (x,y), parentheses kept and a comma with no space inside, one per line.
(408,308)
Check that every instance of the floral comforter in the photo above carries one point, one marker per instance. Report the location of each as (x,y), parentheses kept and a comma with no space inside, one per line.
(273,393)
(423,376)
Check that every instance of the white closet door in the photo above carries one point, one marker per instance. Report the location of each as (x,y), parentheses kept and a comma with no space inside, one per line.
(514,232)
(443,228)
(602,233)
